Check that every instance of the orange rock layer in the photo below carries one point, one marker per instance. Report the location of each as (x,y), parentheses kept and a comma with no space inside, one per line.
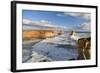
(39,34)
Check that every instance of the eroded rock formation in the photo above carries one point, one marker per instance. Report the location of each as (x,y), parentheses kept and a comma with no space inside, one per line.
(39,34)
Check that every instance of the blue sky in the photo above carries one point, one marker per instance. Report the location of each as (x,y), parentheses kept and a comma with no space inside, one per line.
(56,18)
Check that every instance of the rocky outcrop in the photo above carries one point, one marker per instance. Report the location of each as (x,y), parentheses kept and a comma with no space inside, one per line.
(39,34)
(84,47)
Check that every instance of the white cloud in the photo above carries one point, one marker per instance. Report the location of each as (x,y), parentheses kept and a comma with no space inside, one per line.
(86,26)
(29,28)
(86,16)
(59,14)
(36,23)
(43,24)
(29,24)
(44,21)
(27,21)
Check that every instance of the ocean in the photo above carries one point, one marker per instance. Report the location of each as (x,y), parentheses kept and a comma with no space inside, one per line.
(59,48)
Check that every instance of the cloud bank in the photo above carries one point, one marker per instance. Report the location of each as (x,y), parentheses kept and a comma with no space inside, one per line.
(86,26)
(43,24)
(86,16)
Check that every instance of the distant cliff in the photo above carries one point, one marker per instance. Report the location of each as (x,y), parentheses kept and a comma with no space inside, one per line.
(39,34)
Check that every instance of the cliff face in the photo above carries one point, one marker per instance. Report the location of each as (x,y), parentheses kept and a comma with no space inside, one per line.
(39,34)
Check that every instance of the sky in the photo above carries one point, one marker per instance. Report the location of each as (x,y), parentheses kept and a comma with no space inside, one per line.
(66,19)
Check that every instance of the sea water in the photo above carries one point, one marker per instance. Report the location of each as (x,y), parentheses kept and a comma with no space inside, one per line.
(59,48)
